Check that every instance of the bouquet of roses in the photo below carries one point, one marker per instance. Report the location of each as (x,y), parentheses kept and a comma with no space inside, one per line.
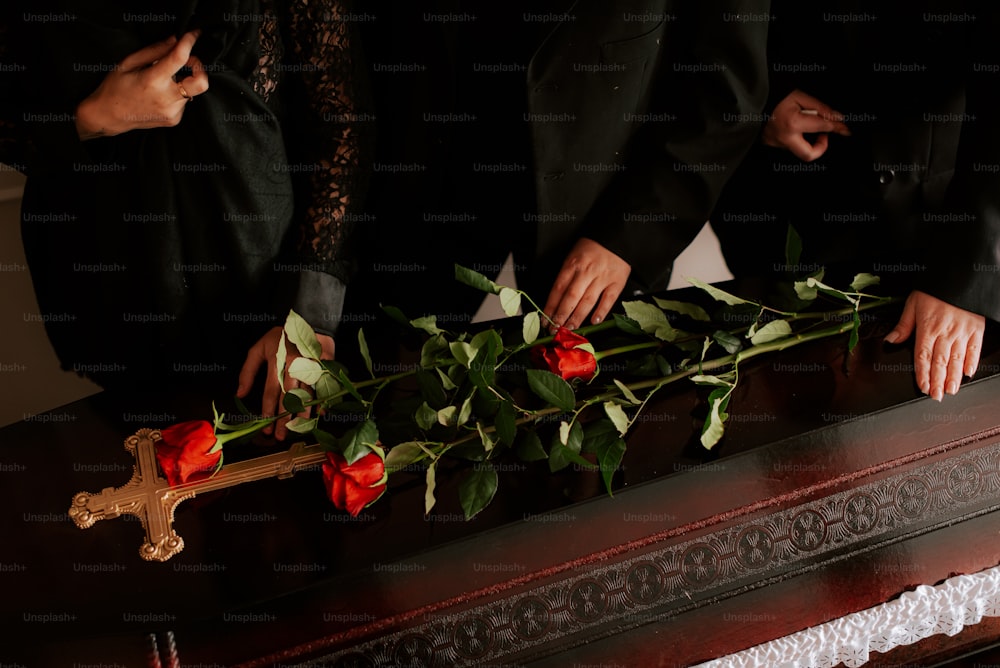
(486,396)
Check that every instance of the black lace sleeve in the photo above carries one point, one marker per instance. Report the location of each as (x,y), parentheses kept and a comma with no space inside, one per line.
(323,52)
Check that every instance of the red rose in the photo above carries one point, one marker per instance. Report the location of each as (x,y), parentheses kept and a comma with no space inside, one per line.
(351,487)
(184,450)
(565,358)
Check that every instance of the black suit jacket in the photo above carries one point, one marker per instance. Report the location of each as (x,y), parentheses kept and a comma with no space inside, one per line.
(636,110)
(913,194)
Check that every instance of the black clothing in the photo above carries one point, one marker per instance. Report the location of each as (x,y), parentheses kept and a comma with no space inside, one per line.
(909,195)
(527,126)
(170,250)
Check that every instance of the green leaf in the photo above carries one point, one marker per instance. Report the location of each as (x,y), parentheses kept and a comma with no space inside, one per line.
(510,301)
(463,352)
(326,439)
(663,366)
(477,490)
(426,417)
(431,389)
(469,451)
(862,281)
(730,342)
(466,411)
(446,416)
(428,324)
(531,327)
(826,289)
(575,441)
(710,380)
(627,325)
(280,357)
(804,291)
(482,371)
(326,387)
(714,428)
(489,339)
(627,393)
(529,448)
(552,389)
(564,428)
(793,247)
(488,443)
(598,435)
(396,314)
(693,311)
(348,385)
(293,399)
(363,346)
(302,335)
(776,329)
(617,416)
(431,351)
(853,339)
(429,499)
(456,372)
(506,423)
(704,348)
(561,456)
(446,382)
(609,458)
(649,318)
(359,441)
(306,370)
(301,425)
(717,294)
(404,454)
(475,279)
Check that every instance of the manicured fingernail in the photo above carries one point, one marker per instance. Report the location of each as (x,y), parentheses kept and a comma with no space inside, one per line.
(597,320)
(938,395)
(952,387)
(892,337)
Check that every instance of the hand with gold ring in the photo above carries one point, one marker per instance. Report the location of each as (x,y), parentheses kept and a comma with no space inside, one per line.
(142,91)
(183,91)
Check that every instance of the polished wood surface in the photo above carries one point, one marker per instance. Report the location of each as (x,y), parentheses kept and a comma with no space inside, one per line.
(836,488)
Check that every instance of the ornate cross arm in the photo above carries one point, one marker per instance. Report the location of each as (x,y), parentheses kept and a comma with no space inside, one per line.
(149,497)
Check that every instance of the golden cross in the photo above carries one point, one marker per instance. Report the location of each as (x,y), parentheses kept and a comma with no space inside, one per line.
(148,495)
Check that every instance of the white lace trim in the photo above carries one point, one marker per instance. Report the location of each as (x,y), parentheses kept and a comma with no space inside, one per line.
(946,608)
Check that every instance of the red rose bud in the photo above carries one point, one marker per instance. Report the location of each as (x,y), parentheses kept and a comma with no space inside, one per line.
(183,451)
(565,359)
(351,487)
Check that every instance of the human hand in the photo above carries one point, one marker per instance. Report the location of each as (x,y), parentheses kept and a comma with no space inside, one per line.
(141,92)
(590,276)
(948,343)
(800,114)
(264,352)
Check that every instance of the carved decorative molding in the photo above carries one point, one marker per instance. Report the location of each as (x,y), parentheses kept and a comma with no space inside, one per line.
(640,589)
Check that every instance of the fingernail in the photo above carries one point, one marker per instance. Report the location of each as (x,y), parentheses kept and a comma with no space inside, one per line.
(938,395)
(925,388)
(892,337)
(597,320)
(952,387)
